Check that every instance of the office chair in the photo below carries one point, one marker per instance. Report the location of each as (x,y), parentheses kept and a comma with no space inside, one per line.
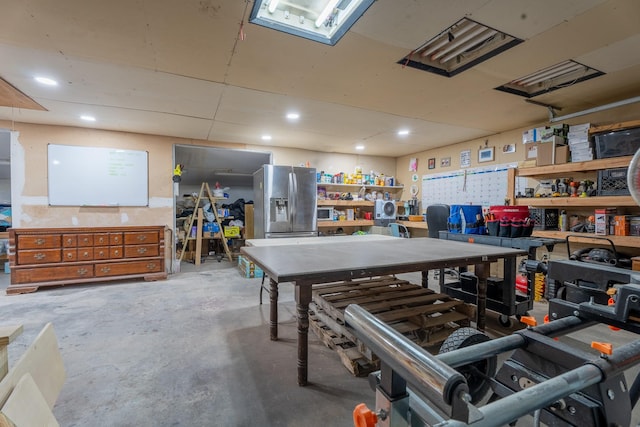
(398,230)
(437,219)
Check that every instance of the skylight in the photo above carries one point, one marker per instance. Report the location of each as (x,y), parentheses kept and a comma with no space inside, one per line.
(551,78)
(459,47)
(324,21)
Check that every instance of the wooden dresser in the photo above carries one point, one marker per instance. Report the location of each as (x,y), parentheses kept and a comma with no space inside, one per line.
(67,256)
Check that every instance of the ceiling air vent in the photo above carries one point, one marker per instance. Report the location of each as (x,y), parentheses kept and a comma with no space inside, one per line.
(552,78)
(459,47)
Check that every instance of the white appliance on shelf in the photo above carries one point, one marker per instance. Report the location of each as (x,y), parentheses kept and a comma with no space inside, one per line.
(385,210)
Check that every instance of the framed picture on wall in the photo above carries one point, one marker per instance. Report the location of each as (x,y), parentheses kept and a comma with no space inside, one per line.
(432,163)
(485,155)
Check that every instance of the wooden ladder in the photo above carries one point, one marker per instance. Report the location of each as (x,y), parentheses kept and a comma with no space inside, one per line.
(199,214)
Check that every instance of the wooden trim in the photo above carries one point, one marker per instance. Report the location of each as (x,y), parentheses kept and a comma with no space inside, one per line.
(593,165)
(622,241)
(615,126)
(576,201)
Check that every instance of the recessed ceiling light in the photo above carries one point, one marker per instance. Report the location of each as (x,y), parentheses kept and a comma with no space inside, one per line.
(88,118)
(359,147)
(293,116)
(46,81)
(266,137)
(403,132)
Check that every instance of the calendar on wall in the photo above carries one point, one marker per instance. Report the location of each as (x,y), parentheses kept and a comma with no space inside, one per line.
(484,186)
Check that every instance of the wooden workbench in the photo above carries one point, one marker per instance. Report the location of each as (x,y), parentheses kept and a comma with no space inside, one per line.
(309,264)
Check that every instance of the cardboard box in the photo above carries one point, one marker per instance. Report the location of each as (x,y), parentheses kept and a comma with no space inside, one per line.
(622,225)
(554,139)
(584,127)
(231,231)
(548,153)
(634,226)
(248,269)
(603,219)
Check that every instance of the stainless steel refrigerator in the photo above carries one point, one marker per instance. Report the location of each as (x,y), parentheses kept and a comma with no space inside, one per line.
(285,202)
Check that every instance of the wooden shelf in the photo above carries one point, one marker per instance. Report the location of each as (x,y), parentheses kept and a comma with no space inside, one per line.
(615,126)
(623,241)
(354,223)
(605,201)
(345,203)
(593,165)
(374,187)
(414,224)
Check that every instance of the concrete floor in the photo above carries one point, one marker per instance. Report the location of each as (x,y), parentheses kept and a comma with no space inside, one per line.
(192,350)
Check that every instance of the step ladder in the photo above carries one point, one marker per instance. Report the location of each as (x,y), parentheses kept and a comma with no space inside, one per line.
(199,214)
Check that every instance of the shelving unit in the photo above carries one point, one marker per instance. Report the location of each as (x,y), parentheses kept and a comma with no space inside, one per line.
(362,205)
(197,218)
(581,203)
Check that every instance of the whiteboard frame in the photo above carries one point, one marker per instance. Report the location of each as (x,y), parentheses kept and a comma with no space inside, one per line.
(88,178)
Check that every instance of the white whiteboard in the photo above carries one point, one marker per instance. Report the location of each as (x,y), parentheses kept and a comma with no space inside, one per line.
(95,176)
(485,186)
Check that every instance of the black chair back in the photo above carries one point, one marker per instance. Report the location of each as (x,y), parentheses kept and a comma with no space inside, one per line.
(437,218)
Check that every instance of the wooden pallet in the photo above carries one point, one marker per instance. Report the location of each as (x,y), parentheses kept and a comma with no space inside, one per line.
(422,315)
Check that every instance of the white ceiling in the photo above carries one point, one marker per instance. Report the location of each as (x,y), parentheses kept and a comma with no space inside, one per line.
(179,68)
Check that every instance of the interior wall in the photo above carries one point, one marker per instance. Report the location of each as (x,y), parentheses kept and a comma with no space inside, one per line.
(498,141)
(29,174)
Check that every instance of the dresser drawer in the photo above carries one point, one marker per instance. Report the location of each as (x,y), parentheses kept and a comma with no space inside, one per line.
(85,239)
(69,240)
(46,274)
(137,251)
(77,254)
(69,254)
(85,254)
(131,267)
(44,241)
(41,256)
(115,239)
(107,252)
(141,237)
(101,239)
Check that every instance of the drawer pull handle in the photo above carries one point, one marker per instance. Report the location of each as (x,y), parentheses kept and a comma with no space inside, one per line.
(105,269)
(101,253)
(69,241)
(142,250)
(151,266)
(101,240)
(39,256)
(116,252)
(82,271)
(116,239)
(39,241)
(142,237)
(69,255)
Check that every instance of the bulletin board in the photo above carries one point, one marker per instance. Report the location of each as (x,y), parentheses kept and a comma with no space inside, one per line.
(485,186)
(96,176)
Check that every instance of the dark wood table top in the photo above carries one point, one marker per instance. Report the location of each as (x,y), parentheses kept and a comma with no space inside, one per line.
(319,263)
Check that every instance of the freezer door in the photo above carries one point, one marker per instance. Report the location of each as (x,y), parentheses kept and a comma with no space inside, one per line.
(277,200)
(304,200)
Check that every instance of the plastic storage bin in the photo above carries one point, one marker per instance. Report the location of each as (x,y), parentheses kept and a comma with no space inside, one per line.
(618,143)
(613,182)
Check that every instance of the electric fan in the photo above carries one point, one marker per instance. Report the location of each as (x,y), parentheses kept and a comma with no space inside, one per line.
(633,177)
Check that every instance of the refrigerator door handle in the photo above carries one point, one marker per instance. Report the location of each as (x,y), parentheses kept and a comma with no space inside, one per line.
(293,184)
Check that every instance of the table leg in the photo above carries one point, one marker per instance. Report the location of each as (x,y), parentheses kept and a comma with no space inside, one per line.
(273,312)
(425,278)
(482,272)
(303,298)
